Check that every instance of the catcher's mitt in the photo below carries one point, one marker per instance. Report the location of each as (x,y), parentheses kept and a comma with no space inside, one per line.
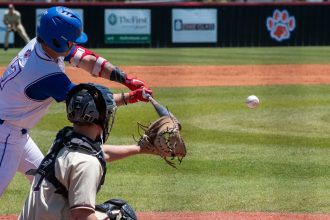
(163,138)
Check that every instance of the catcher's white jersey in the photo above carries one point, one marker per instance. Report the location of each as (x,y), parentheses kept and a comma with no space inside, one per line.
(29,85)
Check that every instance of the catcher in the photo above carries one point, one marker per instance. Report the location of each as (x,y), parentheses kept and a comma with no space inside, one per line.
(70,175)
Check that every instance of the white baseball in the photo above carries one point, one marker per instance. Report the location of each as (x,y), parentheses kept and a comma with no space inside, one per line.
(252,101)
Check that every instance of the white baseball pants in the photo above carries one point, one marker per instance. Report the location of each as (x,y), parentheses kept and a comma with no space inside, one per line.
(18,152)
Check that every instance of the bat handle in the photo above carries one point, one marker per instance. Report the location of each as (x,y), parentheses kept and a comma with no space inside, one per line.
(146,95)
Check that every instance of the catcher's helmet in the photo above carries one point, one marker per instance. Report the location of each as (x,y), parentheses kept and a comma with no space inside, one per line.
(91,104)
(59,26)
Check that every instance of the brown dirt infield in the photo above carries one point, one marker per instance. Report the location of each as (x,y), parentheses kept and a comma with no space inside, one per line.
(186,76)
(190,76)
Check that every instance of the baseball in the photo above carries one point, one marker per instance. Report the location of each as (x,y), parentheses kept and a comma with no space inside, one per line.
(252,101)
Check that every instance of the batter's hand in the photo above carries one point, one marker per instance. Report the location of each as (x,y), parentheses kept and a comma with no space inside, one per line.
(133,83)
(137,95)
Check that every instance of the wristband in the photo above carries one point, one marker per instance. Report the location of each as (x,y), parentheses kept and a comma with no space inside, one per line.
(117,75)
(98,66)
(123,98)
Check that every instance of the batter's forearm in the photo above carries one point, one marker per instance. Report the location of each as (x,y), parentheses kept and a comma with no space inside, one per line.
(113,73)
(95,64)
(121,98)
(100,67)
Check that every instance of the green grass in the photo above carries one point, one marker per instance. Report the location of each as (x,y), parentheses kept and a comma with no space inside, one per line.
(273,158)
(207,56)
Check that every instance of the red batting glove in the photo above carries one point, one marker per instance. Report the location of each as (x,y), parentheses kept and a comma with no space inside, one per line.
(133,83)
(137,95)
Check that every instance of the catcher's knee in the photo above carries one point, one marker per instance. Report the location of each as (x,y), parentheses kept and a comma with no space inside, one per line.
(117,209)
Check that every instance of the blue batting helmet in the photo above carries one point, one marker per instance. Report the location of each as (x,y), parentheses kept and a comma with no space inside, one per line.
(59,26)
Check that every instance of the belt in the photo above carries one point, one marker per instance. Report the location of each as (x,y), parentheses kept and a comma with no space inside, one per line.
(23,130)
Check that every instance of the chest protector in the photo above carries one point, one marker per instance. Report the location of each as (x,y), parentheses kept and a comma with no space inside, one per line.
(66,137)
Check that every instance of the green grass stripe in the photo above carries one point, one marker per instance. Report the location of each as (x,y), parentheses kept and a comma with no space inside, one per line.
(205,56)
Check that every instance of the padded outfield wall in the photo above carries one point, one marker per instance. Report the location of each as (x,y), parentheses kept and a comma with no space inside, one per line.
(192,24)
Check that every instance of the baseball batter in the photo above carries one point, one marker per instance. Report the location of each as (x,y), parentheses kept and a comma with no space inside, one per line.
(36,77)
(12,20)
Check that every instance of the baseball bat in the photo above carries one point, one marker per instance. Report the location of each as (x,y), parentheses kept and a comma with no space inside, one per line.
(160,109)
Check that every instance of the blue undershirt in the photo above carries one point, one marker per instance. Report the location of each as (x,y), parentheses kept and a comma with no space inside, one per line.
(55,85)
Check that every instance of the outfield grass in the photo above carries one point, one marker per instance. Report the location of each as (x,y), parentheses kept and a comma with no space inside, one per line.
(207,56)
(273,158)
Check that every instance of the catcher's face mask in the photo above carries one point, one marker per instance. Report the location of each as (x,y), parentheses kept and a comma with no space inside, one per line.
(110,110)
(91,104)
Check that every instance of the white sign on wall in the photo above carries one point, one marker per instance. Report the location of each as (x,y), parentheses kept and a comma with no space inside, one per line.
(39,12)
(124,26)
(3,29)
(194,25)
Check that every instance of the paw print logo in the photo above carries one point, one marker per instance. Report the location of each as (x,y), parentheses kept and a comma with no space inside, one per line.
(280,25)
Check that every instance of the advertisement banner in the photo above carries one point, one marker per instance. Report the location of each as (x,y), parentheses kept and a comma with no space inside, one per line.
(127,26)
(194,25)
(3,29)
